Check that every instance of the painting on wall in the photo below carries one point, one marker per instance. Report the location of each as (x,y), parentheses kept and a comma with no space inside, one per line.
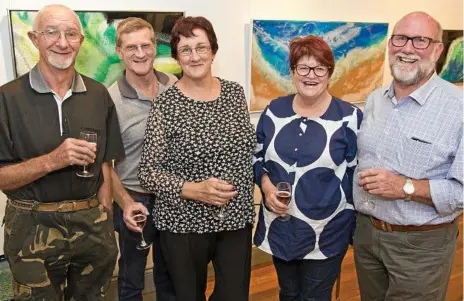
(97,57)
(450,64)
(359,50)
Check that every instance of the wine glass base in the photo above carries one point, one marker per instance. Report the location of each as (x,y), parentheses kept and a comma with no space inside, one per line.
(143,246)
(85,174)
(221,216)
(284,218)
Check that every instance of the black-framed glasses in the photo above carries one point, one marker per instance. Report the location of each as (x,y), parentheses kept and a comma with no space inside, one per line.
(304,70)
(399,40)
(53,34)
(187,51)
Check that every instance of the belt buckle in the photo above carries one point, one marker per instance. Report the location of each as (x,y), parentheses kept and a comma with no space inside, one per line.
(35,206)
(386,226)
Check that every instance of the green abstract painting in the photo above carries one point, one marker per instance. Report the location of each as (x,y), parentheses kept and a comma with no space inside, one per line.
(97,57)
(450,65)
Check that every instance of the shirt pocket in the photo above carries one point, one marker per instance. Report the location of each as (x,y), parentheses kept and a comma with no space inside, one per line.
(414,157)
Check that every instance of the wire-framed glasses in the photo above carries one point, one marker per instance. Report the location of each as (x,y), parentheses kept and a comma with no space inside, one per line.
(53,34)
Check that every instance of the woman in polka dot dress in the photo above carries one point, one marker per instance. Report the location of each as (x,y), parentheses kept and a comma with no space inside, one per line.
(197,160)
(308,140)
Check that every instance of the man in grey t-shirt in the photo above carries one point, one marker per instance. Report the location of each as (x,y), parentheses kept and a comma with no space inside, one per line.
(133,95)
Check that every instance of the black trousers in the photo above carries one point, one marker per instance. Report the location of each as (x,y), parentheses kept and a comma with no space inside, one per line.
(187,256)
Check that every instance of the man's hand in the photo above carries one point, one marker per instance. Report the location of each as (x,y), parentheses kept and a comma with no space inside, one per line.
(383,183)
(128,216)
(72,152)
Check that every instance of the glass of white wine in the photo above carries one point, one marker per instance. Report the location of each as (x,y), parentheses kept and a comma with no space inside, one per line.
(91,138)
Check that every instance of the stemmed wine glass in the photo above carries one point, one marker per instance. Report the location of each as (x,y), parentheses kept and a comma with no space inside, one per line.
(222,214)
(284,195)
(141,220)
(91,138)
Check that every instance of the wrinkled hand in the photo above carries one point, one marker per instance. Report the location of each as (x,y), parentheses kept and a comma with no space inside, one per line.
(383,183)
(271,201)
(216,192)
(129,212)
(73,152)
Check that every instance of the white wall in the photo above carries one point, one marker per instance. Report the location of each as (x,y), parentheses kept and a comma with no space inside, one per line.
(231,20)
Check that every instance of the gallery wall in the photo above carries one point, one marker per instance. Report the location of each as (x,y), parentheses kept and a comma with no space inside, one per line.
(231,19)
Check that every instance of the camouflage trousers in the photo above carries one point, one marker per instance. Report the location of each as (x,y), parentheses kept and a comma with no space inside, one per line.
(56,256)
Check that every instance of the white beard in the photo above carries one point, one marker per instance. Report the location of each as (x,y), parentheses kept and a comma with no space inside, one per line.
(410,77)
(59,63)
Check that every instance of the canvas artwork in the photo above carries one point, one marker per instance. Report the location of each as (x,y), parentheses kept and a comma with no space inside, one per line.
(97,57)
(450,64)
(359,50)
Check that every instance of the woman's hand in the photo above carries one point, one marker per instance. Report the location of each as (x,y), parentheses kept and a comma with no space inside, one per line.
(212,191)
(270,196)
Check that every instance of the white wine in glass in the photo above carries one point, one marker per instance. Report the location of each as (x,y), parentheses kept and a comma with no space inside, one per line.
(91,138)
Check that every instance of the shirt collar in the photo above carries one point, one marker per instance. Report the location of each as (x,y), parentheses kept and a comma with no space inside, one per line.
(130,92)
(420,95)
(39,84)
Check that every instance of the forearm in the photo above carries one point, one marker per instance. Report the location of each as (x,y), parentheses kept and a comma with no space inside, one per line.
(422,192)
(120,194)
(266,184)
(104,192)
(21,174)
(190,191)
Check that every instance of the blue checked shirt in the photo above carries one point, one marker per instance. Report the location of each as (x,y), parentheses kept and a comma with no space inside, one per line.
(419,137)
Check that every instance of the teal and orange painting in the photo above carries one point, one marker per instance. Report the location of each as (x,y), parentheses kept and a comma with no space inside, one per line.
(97,57)
(359,50)
(450,65)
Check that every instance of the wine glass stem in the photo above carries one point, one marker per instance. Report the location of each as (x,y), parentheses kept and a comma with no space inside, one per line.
(85,168)
(143,238)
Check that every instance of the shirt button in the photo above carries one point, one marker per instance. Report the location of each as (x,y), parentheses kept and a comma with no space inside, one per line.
(379,156)
(296,149)
(300,134)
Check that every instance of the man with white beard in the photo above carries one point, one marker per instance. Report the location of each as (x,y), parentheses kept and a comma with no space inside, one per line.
(409,190)
(59,237)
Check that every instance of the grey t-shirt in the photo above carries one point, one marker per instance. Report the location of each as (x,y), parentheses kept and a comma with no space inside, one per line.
(133,109)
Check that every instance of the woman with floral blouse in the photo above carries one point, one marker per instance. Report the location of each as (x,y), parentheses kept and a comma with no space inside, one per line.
(308,140)
(197,160)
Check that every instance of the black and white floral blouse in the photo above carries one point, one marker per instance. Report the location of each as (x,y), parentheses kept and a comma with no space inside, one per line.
(189,140)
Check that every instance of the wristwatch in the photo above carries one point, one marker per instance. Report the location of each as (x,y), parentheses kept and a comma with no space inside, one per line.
(408,189)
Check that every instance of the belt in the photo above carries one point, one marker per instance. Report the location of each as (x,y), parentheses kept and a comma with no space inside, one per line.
(64,206)
(381,225)
(139,193)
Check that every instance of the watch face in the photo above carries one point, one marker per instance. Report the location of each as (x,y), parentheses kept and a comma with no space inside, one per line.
(408,188)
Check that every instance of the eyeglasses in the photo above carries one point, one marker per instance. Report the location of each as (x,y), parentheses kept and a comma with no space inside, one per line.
(134,48)
(54,34)
(187,51)
(399,40)
(319,71)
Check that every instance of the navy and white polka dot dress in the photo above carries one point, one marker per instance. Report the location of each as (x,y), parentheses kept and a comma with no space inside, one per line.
(317,156)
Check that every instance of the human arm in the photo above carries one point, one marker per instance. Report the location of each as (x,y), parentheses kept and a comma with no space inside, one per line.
(70,152)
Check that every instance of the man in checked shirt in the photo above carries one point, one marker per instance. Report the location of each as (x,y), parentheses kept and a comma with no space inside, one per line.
(410,172)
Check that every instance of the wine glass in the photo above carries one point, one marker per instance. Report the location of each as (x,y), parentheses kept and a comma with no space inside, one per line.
(368,203)
(284,195)
(141,220)
(222,214)
(91,138)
